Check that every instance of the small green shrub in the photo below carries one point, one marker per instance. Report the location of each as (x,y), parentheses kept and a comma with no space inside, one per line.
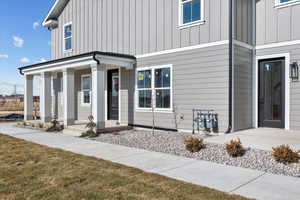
(194,144)
(234,148)
(284,154)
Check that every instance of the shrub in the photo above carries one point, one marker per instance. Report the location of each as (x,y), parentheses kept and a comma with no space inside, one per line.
(55,126)
(194,144)
(284,154)
(91,125)
(234,148)
(41,125)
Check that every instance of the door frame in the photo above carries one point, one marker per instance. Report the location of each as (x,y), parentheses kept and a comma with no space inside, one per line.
(286,57)
(106,93)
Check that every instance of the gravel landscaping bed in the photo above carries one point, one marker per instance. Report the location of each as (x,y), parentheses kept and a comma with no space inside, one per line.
(172,143)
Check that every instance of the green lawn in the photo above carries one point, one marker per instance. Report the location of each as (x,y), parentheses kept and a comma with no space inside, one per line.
(31,171)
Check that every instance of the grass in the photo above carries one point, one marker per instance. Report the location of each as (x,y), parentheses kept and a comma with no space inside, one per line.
(31,171)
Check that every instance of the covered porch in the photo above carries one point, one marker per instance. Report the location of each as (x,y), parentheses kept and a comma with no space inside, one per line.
(261,138)
(76,87)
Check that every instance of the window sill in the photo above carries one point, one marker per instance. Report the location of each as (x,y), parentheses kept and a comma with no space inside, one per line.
(68,51)
(146,110)
(191,24)
(286,4)
(85,104)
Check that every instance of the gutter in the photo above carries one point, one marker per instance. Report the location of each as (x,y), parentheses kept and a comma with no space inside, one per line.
(229,129)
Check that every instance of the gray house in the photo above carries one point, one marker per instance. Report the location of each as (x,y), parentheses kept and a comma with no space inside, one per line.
(120,60)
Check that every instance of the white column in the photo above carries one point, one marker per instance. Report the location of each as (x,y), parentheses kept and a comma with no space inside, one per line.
(53,95)
(98,95)
(28,98)
(69,97)
(45,98)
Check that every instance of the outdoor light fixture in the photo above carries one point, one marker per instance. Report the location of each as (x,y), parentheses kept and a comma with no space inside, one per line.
(294,71)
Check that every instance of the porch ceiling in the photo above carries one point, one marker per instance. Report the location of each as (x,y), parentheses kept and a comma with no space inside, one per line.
(81,60)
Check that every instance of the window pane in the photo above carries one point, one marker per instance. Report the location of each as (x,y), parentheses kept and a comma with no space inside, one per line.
(86,97)
(68,44)
(144,79)
(162,77)
(187,12)
(86,83)
(163,98)
(196,10)
(145,98)
(283,1)
(68,31)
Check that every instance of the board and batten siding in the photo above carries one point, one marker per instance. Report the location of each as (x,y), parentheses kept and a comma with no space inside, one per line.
(243,24)
(243,88)
(294,51)
(200,80)
(135,26)
(276,24)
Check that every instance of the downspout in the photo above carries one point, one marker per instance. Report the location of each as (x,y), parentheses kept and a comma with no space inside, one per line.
(229,129)
(21,72)
(95,59)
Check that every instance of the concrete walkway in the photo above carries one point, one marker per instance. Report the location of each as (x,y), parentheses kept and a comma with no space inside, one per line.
(245,182)
(261,138)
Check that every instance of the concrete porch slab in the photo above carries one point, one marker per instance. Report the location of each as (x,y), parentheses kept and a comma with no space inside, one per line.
(261,138)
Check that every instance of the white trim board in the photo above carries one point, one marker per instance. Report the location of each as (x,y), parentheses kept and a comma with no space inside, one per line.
(211,44)
(287,87)
(278,44)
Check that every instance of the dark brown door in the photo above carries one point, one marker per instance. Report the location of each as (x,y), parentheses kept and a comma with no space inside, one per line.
(271,93)
(113,94)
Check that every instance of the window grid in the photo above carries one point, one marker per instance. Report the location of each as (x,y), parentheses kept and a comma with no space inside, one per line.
(153,90)
(181,11)
(66,38)
(86,91)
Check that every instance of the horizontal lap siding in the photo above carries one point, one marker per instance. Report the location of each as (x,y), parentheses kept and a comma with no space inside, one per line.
(81,112)
(243,97)
(200,80)
(127,96)
(294,51)
(136,26)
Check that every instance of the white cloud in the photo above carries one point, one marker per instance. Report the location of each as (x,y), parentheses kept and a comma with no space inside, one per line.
(24,60)
(3,56)
(35,25)
(43,60)
(17,41)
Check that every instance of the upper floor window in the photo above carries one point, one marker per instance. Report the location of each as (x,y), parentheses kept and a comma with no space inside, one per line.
(68,37)
(191,11)
(283,3)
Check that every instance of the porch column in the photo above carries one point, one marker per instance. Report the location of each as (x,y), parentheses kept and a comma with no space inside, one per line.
(98,95)
(28,98)
(69,96)
(45,101)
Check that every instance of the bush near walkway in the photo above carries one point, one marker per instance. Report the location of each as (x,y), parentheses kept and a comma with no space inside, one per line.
(284,154)
(31,171)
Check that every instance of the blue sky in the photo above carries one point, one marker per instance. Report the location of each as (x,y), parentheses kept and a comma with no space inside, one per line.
(23,41)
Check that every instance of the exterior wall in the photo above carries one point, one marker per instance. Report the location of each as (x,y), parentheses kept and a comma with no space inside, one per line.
(243,24)
(127,88)
(135,26)
(200,80)
(276,24)
(294,51)
(81,111)
(243,88)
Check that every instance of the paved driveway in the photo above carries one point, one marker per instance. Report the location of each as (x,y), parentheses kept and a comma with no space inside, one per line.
(262,138)
(235,180)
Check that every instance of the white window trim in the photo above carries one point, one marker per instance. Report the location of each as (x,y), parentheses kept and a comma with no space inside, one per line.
(158,110)
(82,90)
(286,4)
(64,45)
(190,24)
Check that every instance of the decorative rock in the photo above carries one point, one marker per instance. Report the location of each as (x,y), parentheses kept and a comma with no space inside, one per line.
(173,143)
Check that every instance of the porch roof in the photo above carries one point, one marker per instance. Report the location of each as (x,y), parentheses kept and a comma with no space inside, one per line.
(95,56)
